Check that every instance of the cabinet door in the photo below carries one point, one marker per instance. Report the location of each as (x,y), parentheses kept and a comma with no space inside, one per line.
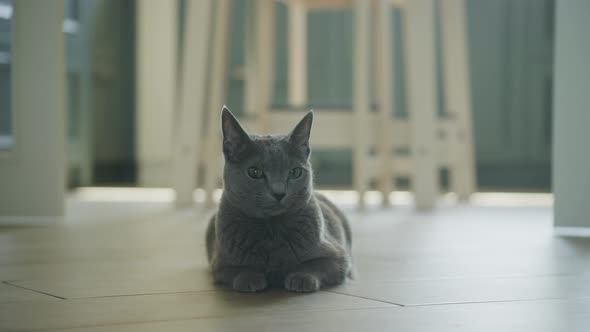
(511,58)
(32,163)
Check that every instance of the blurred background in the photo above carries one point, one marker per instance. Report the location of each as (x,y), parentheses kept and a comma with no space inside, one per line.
(510,46)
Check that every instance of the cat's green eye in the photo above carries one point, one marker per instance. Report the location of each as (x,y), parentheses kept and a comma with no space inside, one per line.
(295,173)
(255,173)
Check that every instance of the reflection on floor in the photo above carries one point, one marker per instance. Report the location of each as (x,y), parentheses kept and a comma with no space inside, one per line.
(123,263)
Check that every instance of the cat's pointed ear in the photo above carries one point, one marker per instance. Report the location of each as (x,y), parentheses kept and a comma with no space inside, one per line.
(235,138)
(299,136)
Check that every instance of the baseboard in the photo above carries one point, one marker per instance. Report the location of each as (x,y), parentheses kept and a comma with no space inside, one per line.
(114,172)
(572,231)
(514,176)
(30,220)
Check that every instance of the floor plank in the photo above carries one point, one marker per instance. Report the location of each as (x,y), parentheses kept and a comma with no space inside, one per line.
(76,286)
(11,294)
(427,292)
(533,316)
(175,306)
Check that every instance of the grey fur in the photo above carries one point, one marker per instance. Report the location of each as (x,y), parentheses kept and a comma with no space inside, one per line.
(301,242)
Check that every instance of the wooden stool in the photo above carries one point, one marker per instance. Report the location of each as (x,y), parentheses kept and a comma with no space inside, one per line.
(433,142)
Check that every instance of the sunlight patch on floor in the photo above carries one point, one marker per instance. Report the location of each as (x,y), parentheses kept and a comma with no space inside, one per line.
(343,197)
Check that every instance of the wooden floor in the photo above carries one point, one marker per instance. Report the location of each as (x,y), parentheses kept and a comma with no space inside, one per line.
(139,266)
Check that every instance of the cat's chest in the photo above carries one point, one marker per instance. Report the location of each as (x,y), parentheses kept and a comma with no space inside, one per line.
(278,255)
(276,247)
(281,249)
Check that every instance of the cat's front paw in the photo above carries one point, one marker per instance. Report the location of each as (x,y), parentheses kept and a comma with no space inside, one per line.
(249,281)
(302,282)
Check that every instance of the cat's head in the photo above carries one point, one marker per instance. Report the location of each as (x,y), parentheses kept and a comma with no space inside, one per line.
(266,175)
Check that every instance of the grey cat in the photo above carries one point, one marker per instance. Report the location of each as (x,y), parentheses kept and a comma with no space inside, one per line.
(271,228)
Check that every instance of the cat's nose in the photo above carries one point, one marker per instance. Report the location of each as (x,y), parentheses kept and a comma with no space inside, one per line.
(279,196)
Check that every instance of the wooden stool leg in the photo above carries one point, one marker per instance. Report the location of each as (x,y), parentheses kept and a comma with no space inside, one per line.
(264,29)
(250,70)
(421,78)
(259,63)
(458,96)
(362,103)
(384,86)
(221,41)
(297,58)
(156,94)
(191,101)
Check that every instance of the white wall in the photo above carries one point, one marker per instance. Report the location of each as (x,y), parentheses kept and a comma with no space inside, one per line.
(571,156)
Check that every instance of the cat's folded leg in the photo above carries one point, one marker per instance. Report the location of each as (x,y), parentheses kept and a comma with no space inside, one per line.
(241,279)
(310,276)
